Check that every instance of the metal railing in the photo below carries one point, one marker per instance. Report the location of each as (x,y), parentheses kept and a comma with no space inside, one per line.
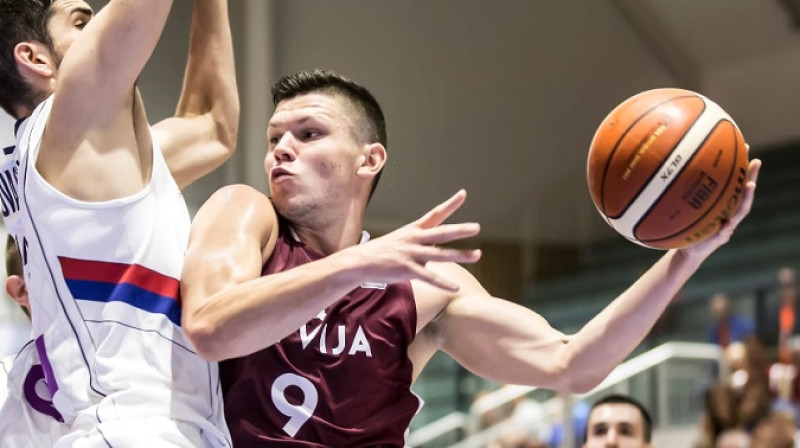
(559,408)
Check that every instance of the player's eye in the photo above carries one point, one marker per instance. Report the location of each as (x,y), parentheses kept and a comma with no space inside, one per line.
(311,133)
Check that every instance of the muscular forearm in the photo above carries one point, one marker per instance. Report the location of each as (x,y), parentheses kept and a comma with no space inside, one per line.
(209,86)
(249,316)
(609,337)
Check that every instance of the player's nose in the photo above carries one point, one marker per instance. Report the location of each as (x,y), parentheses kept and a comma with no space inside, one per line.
(284,150)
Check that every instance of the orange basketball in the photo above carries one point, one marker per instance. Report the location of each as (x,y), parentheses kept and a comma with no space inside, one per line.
(667,167)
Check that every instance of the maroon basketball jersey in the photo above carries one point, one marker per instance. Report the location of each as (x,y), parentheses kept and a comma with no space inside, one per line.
(342,380)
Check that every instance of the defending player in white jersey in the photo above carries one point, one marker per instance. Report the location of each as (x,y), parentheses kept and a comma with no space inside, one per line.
(91,195)
(28,418)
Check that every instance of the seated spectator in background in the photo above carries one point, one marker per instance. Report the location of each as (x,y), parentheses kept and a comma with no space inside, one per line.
(783,379)
(528,426)
(753,393)
(493,416)
(721,414)
(618,421)
(734,358)
(788,322)
(733,438)
(580,417)
(782,321)
(743,399)
(775,431)
(727,327)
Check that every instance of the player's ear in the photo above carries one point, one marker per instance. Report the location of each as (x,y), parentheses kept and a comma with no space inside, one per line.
(374,158)
(34,58)
(15,287)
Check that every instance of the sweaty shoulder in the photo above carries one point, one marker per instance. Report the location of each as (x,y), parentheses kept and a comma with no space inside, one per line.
(239,210)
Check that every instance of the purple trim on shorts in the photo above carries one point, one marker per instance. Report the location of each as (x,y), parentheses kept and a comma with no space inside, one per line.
(49,378)
(36,401)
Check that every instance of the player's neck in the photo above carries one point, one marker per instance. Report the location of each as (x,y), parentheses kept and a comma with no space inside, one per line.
(332,235)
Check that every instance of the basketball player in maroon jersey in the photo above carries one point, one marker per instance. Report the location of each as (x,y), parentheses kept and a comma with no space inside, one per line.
(324,331)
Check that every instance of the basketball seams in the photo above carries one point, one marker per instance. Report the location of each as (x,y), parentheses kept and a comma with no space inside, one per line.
(652,191)
(668,156)
(730,178)
(602,207)
(657,199)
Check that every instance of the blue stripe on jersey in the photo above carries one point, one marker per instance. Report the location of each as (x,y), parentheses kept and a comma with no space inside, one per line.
(127,293)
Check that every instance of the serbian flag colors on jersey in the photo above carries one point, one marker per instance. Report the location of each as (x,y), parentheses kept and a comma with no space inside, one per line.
(138,286)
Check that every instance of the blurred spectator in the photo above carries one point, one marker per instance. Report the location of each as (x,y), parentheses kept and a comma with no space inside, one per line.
(776,431)
(721,414)
(743,399)
(580,417)
(783,319)
(785,383)
(525,423)
(788,321)
(530,425)
(492,416)
(753,393)
(727,327)
(733,438)
(618,421)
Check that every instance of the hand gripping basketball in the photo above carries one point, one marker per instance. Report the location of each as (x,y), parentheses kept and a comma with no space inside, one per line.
(667,168)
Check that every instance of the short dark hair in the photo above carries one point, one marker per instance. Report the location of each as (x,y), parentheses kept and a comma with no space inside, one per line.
(13,260)
(647,421)
(20,21)
(372,124)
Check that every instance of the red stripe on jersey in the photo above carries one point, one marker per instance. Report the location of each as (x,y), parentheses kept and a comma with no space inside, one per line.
(109,272)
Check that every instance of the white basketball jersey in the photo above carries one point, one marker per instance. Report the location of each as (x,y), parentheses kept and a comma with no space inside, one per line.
(103,281)
(27,416)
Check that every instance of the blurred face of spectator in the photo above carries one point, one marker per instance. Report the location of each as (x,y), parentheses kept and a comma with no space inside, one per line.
(786,275)
(720,307)
(615,425)
(736,356)
(733,439)
(775,431)
(787,284)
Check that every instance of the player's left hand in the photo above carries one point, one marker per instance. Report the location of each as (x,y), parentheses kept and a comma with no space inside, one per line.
(706,247)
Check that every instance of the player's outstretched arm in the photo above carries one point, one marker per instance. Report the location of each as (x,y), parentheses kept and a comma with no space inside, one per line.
(98,71)
(229,310)
(509,343)
(202,134)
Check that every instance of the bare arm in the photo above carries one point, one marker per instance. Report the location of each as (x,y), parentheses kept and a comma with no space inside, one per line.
(98,72)
(202,134)
(229,310)
(509,343)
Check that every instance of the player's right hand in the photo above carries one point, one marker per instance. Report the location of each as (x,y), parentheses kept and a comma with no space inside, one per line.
(403,254)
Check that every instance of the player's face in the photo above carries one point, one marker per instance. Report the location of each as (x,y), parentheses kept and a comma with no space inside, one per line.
(615,425)
(67,19)
(313,155)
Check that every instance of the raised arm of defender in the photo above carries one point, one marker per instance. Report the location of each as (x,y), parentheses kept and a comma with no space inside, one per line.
(98,122)
(202,134)
(97,74)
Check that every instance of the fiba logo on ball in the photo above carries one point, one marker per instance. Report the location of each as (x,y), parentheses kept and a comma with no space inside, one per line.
(667,167)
